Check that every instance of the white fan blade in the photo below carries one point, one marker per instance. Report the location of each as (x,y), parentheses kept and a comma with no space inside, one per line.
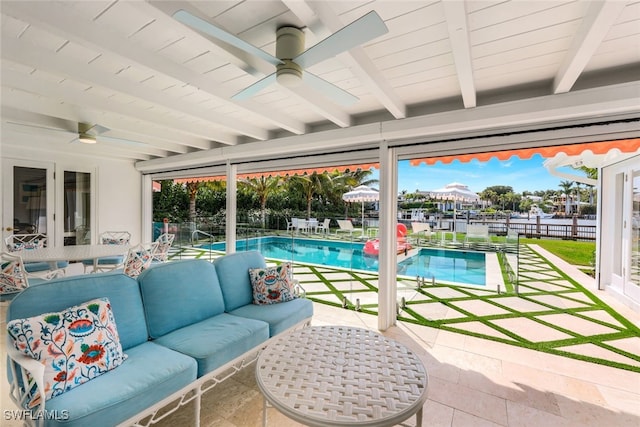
(121,141)
(248,92)
(210,29)
(330,90)
(29,125)
(358,32)
(97,129)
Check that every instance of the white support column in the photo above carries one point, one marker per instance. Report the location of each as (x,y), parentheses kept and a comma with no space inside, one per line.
(147,209)
(232,174)
(387,264)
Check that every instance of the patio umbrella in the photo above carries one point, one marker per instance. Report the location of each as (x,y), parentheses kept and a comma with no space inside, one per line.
(456,193)
(361,194)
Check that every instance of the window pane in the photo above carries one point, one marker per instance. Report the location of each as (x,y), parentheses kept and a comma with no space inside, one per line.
(77,208)
(30,200)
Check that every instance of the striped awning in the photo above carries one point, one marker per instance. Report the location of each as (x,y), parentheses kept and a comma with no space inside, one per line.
(590,148)
(602,147)
(288,172)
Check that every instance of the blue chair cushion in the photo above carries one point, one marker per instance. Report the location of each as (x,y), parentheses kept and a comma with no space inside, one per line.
(105,261)
(150,373)
(217,340)
(34,267)
(281,316)
(178,294)
(233,274)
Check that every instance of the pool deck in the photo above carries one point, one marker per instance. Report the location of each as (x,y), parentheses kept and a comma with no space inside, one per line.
(487,354)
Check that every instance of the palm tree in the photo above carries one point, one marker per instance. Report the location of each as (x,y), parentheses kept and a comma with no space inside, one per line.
(566,187)
(192,190)
(309,186)
(263,187)
(348,181)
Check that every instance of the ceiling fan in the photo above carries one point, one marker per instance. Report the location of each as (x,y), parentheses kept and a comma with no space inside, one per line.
(86,133)
(291,60)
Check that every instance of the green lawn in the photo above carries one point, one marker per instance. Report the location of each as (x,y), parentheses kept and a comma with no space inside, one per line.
(576,253)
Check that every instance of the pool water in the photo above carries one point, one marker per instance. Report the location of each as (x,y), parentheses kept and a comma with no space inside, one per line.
(445,265)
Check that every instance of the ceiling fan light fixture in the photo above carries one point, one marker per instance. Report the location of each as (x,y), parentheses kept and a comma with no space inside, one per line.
(289,75)
(87,139)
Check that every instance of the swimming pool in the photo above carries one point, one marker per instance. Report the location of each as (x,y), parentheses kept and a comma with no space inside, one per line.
(445,265)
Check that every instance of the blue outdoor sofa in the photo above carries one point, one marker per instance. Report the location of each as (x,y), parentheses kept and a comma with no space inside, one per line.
(182,325)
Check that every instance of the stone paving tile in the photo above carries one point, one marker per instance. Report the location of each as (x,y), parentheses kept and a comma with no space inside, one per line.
(593,350)
(479,307)
(349,286)
(537,275)
(433,311)
(544,286)
(531,330)
(480,328)
(576,324)
(444,292)
(630,345)
(603,316)
(561,301)
(337,275)
(520,304)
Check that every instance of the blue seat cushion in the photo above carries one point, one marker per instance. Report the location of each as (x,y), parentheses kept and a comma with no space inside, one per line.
(281,316)
(217,340)
(150,373)
(34,267)
(115,260)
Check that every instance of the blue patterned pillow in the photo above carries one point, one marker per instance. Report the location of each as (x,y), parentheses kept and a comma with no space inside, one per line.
(75,345)
(271,285)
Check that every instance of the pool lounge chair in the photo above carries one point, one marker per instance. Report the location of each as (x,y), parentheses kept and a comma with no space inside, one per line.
(347,227)
(420,229)
(477,233)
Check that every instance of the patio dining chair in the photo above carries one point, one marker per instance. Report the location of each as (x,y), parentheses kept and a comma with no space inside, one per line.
(164,242)
(14,277)
(24,242)
(109,263)
(139,258)
(293,224)
(324,227)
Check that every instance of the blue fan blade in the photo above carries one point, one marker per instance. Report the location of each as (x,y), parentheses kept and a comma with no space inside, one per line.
(358,32)
(210,29)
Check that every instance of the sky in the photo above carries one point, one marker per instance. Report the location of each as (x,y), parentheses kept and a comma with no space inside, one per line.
(521,175)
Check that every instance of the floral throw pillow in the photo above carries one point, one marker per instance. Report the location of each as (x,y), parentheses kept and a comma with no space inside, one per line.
(272,285)
(75,345)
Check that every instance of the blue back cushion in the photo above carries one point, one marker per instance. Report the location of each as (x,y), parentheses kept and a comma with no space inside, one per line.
(178,294)
(122,291)
(233,273)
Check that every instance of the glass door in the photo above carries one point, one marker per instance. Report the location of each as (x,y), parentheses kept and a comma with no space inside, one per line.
(632,276)
(27,198)
(77,208)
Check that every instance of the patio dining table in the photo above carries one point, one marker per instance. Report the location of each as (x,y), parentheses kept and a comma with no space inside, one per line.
(54,254)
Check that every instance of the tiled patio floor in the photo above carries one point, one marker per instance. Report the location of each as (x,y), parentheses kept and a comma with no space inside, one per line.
(479,351)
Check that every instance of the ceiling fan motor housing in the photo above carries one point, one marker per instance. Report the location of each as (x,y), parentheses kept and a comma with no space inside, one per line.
(289,44)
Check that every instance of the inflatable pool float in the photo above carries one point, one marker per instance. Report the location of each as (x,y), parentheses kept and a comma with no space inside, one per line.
(372,246)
